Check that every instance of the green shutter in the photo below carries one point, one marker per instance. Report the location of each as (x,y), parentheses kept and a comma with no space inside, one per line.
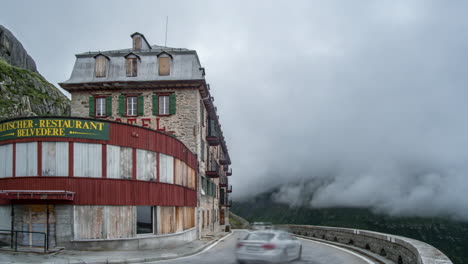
(155,104)
(172,104)
(122,105)
(108,105)
(140,105)
(91,106)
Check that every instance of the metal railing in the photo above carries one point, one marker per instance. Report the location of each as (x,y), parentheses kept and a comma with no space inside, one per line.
(14,238)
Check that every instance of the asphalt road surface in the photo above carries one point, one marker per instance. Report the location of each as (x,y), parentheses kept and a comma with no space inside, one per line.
(312,252)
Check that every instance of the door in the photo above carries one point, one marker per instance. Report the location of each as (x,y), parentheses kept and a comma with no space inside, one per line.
(35,219)
(221,217)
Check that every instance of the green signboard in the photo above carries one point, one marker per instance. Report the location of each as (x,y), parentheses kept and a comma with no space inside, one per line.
(54,127)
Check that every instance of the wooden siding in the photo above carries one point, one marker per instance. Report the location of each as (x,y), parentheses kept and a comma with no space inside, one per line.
(146,165)
(53,156)
(26,159)
(6,160)
(87,160)
(104,191)
(189,217)
(104,222)
(167,220)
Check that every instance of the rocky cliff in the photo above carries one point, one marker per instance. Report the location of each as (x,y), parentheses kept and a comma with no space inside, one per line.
(24,92)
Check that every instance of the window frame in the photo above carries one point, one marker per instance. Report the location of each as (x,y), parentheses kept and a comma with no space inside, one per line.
(127,96)
(134,62)
(96,104)
(153,218)
(168,95)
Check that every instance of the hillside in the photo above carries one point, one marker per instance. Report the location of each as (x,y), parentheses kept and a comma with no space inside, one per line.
(24,91)
(449,236)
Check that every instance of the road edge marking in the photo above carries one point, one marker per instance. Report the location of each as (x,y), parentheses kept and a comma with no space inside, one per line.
(210,246)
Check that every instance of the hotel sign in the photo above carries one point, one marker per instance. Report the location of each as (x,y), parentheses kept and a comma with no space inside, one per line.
(54,127)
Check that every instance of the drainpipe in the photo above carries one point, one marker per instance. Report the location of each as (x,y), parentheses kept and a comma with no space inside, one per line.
(12,223)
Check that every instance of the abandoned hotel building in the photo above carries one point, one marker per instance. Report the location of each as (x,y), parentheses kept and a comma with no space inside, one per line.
(141,163)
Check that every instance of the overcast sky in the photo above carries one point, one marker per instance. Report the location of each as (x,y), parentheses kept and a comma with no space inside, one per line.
(368,98)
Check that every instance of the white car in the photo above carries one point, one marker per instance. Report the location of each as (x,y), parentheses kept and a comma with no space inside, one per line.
(268,246)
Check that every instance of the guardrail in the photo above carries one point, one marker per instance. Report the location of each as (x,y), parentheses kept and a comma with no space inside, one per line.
(14,238)
(401,250)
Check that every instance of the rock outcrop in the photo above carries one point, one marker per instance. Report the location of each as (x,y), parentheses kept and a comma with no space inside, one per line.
(13,52)
(24,92)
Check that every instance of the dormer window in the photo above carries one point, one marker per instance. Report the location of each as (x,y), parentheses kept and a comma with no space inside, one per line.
(137,42)
(131,64)
(164,63)
(101,65)
(140,42)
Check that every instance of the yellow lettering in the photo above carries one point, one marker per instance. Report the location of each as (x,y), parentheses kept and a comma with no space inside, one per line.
(30,123)
(41,123)
(78,124)
(100,126)
(93,125)
(61,132)
(85,125)
(67,123)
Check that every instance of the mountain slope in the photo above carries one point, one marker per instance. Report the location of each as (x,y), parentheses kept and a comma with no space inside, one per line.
(24,92)
(449,236)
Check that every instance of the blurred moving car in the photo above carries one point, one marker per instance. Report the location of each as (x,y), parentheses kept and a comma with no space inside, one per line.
(262,225)
(268,246)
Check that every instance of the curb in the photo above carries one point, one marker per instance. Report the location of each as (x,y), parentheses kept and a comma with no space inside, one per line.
(143,260)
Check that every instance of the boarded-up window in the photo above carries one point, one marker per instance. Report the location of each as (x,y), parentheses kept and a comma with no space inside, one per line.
(166,168)
(6,160)
(101,66)
(120,223)
(179,219)
(189,217)
(89,222)
(191,178)
(87,160)
(119,162)
(26,159)
(100,222)
(181,173)
(137,42)
(164,65)
(221,217)
(54,158)
(167,223)
(131,66)
(146,165)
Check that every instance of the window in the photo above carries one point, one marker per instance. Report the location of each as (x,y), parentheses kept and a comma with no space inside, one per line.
(131,64)
(131,106)
(101,106)
(164,66)
(100,65)
(164,105)
(144,219)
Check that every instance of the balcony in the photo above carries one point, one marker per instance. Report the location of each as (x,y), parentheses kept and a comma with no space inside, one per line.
(223,185)
(212,171)
(212,137)
(229,189)
(212,140)
(225,202)
(229,172)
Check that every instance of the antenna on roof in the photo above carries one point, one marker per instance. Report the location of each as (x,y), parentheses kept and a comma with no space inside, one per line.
(165,41)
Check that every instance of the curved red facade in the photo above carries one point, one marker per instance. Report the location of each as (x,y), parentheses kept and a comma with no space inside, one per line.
(104,190)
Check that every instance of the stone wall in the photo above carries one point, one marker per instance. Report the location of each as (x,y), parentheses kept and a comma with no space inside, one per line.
(401,250)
